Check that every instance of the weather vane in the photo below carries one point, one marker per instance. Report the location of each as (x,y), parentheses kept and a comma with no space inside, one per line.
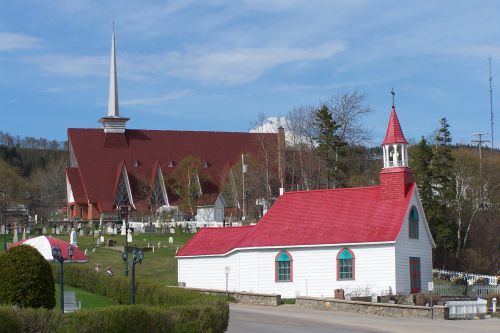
(393,94)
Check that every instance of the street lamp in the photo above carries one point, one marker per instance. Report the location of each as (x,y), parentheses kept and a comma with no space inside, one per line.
(137,256)
(57,255)
(124,213)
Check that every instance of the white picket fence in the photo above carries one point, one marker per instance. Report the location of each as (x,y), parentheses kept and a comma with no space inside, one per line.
(471,277)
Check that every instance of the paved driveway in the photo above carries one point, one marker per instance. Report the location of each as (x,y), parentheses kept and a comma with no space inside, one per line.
(290,319)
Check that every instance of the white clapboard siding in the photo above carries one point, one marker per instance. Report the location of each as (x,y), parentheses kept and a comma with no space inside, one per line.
(314,271)
(407,247)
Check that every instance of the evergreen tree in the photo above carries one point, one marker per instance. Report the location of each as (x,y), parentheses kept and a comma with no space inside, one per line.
(442,164)
(443,189)
(330,147)
(421,156)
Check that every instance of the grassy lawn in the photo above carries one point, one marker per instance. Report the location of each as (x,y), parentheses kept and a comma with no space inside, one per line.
(159,267)
(87,299)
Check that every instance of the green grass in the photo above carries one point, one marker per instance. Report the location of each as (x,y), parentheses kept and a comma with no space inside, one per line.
(88,300)
(159,267)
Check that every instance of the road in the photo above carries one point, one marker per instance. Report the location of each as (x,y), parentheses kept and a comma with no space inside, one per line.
(291,319)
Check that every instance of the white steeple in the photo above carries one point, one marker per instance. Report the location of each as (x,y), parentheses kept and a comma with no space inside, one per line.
(113,108)
(113,123)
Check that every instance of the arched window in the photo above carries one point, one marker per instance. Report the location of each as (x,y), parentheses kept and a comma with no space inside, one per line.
(345,264)
(283,267)
(413,225)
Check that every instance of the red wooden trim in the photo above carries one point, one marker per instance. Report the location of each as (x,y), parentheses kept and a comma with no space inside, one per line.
(353,264)
(414,272)
(276,266)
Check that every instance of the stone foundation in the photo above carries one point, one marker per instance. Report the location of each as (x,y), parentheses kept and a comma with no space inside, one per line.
(244,297)
(381,309)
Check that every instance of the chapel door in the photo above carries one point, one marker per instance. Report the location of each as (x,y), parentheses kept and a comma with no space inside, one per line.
(415,275)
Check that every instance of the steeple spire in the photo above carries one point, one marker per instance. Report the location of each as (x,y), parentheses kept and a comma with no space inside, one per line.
(113,123)
(113,108)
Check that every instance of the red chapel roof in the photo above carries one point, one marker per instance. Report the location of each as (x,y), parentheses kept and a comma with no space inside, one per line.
(394,133)
(339,216)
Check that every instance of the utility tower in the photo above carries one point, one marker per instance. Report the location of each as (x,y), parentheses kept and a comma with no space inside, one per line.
(491,108)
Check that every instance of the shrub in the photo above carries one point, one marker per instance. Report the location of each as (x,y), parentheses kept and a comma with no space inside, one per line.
(191,311)
(27,279)
(131,318)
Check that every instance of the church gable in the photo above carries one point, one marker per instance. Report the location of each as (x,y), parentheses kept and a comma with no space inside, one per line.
(123,194)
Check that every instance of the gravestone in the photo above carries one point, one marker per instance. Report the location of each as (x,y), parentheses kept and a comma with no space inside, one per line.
(102,239)
(44,230)
(58,231)
(172,230)
(24,233)
(170,240)
(53,231)
(15,240)
(2,229)
(97,243)
(129,236)
(153,248)
(123,231)
(81,232)
(72,238)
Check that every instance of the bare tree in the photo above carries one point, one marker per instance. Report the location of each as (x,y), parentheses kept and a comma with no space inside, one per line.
(472,196)
(348,110)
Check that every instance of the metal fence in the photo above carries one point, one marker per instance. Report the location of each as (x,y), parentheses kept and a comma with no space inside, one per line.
(461,290)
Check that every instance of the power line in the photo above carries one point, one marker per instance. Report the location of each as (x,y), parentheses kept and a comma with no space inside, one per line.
(479,142)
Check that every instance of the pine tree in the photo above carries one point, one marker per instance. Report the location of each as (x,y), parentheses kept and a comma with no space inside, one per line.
(421,157)
(330,147)
(443,189)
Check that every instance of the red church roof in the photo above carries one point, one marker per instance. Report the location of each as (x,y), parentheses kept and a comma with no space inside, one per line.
(97,159)
(340,216)
(394,133)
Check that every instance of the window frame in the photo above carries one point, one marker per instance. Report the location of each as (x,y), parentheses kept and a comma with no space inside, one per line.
(276,266)
(353,265)
(413,224)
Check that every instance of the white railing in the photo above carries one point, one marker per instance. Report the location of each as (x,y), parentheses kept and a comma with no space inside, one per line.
(471,277)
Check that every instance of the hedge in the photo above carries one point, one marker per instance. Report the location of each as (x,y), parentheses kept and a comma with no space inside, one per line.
(176,309)
(118,289)
(121,318)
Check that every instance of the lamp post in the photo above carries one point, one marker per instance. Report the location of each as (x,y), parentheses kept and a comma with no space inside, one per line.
(124,212)
(137,256)
(57,255)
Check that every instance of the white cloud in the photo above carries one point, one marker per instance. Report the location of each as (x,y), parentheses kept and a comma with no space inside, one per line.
(157,100)
(236,66)
(68,65)
(12,41)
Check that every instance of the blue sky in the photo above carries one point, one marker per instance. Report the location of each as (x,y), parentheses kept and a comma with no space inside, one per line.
(215,65)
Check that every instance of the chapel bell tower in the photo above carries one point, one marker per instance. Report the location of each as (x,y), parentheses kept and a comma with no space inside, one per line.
(396,177)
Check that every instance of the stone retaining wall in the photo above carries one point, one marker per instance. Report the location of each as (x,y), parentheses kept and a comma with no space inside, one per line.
(381,309)
(244,297)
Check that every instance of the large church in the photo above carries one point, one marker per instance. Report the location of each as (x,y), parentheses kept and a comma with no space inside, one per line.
(114,166)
